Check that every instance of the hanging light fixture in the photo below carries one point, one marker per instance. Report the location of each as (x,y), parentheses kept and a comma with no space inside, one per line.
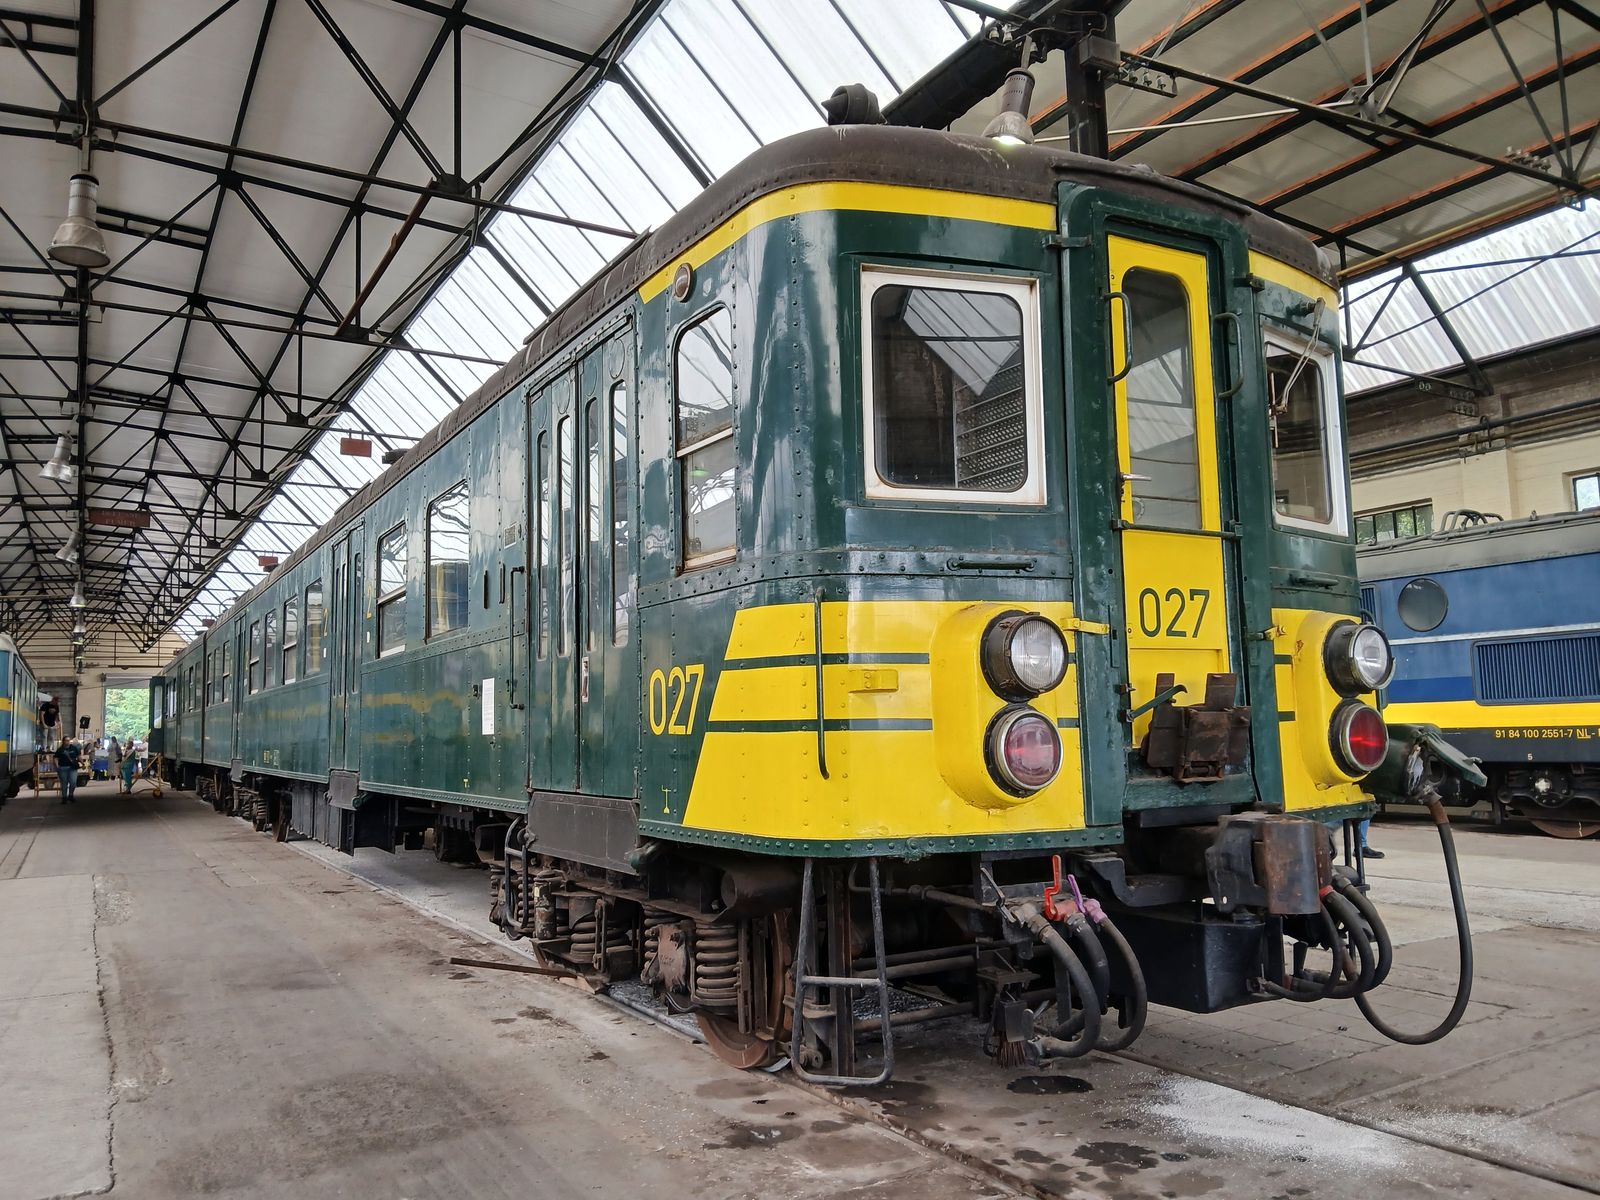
(79,600)
(1010,126)
(60,467)
(78,241)
(79,629)
(70,550)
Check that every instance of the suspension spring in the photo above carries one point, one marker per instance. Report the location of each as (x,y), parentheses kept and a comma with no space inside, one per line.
(716,965)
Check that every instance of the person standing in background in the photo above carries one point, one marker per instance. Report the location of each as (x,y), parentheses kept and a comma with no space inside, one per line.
(67,755)
(130,766)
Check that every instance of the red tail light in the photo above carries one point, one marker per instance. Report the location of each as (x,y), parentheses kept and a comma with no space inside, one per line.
(1024,749)
(1360,738)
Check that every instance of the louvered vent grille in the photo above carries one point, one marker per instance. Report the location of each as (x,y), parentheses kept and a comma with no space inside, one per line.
(1556,668)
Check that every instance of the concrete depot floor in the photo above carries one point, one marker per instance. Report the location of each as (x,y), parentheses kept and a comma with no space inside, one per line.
(187,1008)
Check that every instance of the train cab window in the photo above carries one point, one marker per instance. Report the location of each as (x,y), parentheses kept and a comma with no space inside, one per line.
(291,639)
(951,387)
(314,627)
(392,591)
(269,656)
(447,561)
(1302,399)
(703,391)
(255,657)
(1163,441)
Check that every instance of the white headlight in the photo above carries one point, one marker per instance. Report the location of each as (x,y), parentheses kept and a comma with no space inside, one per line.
(1024,655)
(1358,658)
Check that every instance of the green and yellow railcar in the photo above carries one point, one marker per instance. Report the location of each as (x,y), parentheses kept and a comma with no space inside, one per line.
(914,554)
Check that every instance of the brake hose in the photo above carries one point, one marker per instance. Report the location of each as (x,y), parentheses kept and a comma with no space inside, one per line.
(1137,1005)
(1347,917)
(1351,891)
(1027,915)
(1458,901)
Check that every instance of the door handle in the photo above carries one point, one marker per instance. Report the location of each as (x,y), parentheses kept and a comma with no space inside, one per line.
(1132,477)
(1127,335)
(1233,319)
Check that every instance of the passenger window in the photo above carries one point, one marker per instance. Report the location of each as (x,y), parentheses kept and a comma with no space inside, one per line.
(594,521)
(270,653)
(392,591)
(621,577)
(255,657)
(291,639)
(314,627)
(542,519)
(1305,435)
(447,561)
(227,670)
(566,463)
(703,389)
(1163,448)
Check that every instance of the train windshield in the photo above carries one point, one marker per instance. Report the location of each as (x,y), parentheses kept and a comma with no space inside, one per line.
(1305,436)
(951,387)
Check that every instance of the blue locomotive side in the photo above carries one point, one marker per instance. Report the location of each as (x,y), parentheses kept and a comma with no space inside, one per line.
(1496,635)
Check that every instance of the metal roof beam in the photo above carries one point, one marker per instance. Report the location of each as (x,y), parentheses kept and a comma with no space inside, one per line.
(1349,123)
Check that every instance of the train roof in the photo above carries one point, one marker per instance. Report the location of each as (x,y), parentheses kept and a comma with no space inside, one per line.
(1485,545)
(887,154)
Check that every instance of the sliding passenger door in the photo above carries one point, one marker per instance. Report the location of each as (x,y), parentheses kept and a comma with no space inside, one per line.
(553,662)
(345,634)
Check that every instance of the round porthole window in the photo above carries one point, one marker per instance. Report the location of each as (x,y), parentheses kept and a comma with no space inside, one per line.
(1423,605)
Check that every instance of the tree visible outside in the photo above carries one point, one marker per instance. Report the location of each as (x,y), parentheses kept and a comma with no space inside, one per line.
(127,712)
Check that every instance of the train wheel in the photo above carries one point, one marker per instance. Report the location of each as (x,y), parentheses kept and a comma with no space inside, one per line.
(769,961)
(1566,829)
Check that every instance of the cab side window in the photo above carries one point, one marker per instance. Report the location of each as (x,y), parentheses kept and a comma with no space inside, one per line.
(703,395)
(1306,489)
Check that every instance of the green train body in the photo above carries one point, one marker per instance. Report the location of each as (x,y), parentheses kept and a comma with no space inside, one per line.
(695,593)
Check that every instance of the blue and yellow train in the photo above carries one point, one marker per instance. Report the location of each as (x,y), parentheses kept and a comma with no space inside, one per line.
(919,564)
(19,718)
(1496,631)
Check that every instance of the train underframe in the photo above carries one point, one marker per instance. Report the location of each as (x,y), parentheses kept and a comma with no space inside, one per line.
(1560,799)
(820,961)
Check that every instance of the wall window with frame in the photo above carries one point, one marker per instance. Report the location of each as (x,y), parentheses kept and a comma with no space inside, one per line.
(392,591)
(227,670)
(291,639)
(951,387)
(314,627)
(704,403)
(255,657)
(269,656)
(1408,520)
(1307,487)
(447,561)
(1586,491)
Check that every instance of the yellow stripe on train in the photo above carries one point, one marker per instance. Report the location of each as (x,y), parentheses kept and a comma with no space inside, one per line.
(1469,714)
(904,757)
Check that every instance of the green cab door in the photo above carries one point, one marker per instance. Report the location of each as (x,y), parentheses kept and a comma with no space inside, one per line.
(553,664)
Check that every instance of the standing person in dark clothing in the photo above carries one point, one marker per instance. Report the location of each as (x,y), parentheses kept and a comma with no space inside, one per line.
(67,755)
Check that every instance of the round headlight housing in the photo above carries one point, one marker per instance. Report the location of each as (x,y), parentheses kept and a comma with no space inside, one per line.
(1359,737)
(1024,750)
(1358,658)
(1024,655)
